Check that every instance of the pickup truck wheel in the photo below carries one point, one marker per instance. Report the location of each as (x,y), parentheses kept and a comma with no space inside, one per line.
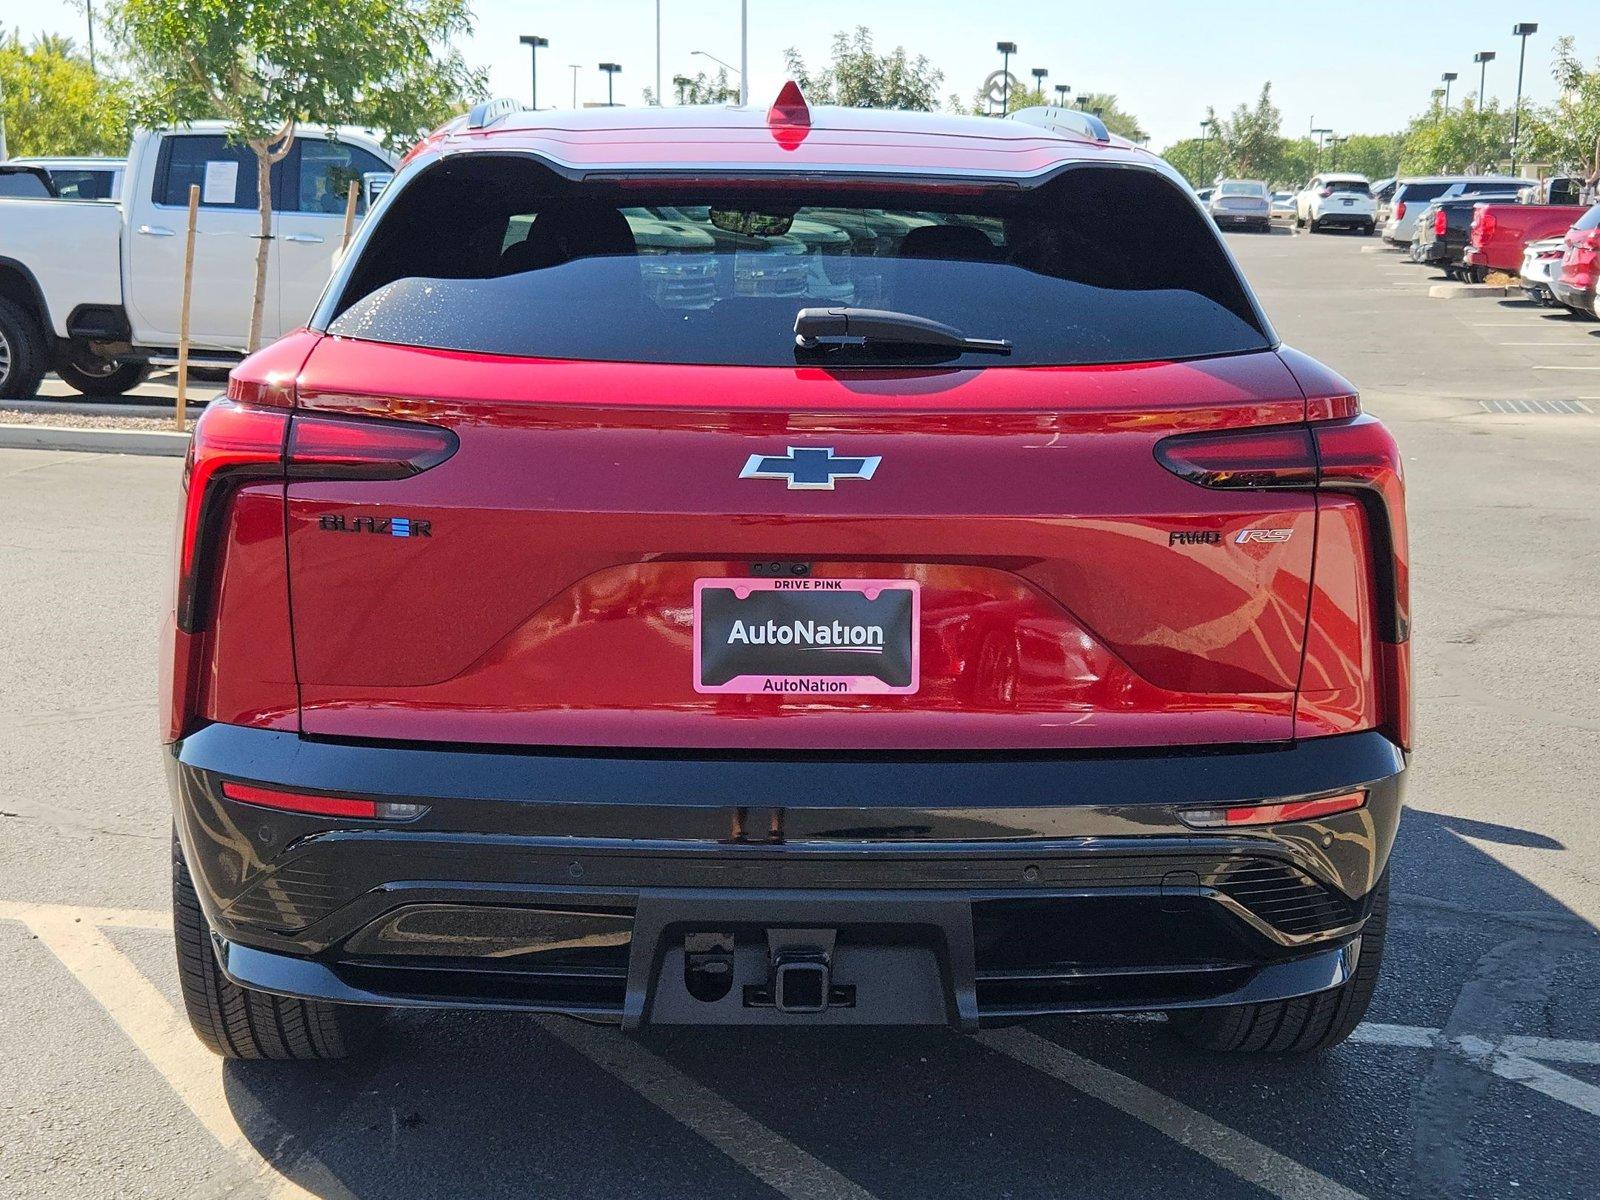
(1306,1025)
(22,353)
(90,375)
(238,1022)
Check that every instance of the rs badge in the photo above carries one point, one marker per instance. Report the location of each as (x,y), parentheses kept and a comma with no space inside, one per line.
(1258,536)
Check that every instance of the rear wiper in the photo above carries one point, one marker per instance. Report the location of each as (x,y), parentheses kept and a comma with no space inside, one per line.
(819,328)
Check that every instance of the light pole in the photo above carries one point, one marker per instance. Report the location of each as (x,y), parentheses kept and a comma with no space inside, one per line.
(575,70)
(659,100)
(1039,74)
(744,53)
(1447,79)
(1523,30)
(1061,94)
(1007,49)
(533,43)
(1483,58)
(1205,144)
(89,6)
(611,70)
(1320,134)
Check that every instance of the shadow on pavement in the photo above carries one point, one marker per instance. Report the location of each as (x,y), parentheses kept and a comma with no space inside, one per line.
(486,1105)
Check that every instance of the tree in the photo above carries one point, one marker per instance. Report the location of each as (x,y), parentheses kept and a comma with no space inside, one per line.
(1252,139)
(699,89)
(1117,119)
(54,104)
(267,66)
(1195,161)
(1464,138)
(1375,155)
(1567,132)
(859,77)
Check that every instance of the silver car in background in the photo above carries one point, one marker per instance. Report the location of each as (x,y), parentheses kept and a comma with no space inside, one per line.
(1244,202)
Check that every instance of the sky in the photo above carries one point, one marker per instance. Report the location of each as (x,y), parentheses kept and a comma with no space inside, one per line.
(1365,67)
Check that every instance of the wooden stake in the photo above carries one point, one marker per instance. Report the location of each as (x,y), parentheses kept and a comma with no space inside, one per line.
(183,313)
(350,213)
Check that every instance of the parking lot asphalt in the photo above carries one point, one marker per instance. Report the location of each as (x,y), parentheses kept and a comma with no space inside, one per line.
(1477,1075)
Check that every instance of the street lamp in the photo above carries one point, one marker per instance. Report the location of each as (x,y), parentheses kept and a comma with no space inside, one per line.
(1483,58)
(1523,30)
(1205,144)
(1038,74)
(1320,134)
(1061,94)
(1447,79)
(575,69)
(1007,49)
(611,70)
(533,44)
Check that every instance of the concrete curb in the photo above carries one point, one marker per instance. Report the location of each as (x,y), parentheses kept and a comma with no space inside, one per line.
(167,443)
(1468,291)
(93,408)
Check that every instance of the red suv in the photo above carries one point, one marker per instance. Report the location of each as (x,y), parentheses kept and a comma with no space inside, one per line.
(989,619)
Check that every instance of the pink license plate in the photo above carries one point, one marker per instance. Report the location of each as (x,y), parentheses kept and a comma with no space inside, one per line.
(807,637)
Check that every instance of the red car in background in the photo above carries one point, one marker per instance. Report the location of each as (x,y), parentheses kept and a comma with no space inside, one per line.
(1035,640)
(1501,232)
(1580,268)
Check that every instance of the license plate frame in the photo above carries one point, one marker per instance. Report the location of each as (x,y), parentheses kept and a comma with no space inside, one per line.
(854,665)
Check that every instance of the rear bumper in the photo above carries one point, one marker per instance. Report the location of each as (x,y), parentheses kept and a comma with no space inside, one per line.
(1331,216)
(956,889)
(1582,301)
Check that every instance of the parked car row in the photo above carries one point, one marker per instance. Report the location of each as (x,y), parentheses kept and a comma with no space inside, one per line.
(1472,227)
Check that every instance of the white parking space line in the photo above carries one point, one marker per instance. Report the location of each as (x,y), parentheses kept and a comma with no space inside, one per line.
(1540,1078)
(771,1158)
(161,1034)
(1228,1148)
(1564,368)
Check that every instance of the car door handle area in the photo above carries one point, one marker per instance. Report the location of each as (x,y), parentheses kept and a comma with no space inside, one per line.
(315,239)
(157,231)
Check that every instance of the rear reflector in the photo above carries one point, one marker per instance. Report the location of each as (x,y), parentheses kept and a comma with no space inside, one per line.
(1272,814)
(321,806)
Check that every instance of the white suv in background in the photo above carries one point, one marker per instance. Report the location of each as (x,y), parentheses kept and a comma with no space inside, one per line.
(1334,199)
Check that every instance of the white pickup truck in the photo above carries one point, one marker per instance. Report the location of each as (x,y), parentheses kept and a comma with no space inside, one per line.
(92,288)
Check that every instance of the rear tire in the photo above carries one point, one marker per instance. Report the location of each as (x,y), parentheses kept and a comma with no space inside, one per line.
(90,375)
(1306,1025)
(23,354)
(238,1022)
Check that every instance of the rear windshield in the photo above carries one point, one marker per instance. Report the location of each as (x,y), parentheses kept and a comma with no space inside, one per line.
(1242,189)
(497,255)
(1349,185)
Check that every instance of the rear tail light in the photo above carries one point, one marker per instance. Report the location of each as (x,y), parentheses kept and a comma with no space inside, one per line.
(1355,456)
(1235,816)
(236,444)
(1400,211)
(317,805)
(1441,222)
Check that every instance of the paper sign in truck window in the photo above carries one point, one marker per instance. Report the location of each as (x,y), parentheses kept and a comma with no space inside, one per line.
(222,182)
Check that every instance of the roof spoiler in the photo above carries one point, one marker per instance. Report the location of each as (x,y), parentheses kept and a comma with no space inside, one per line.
(1072,121)
(486,112)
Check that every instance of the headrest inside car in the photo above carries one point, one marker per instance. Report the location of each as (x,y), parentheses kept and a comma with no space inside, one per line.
(565,232)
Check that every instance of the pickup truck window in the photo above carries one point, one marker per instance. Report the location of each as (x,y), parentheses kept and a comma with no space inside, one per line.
(183,162)
(23,183)
(83,183)
(325,171)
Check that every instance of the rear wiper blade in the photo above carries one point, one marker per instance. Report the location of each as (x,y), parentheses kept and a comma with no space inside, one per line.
(817,328)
